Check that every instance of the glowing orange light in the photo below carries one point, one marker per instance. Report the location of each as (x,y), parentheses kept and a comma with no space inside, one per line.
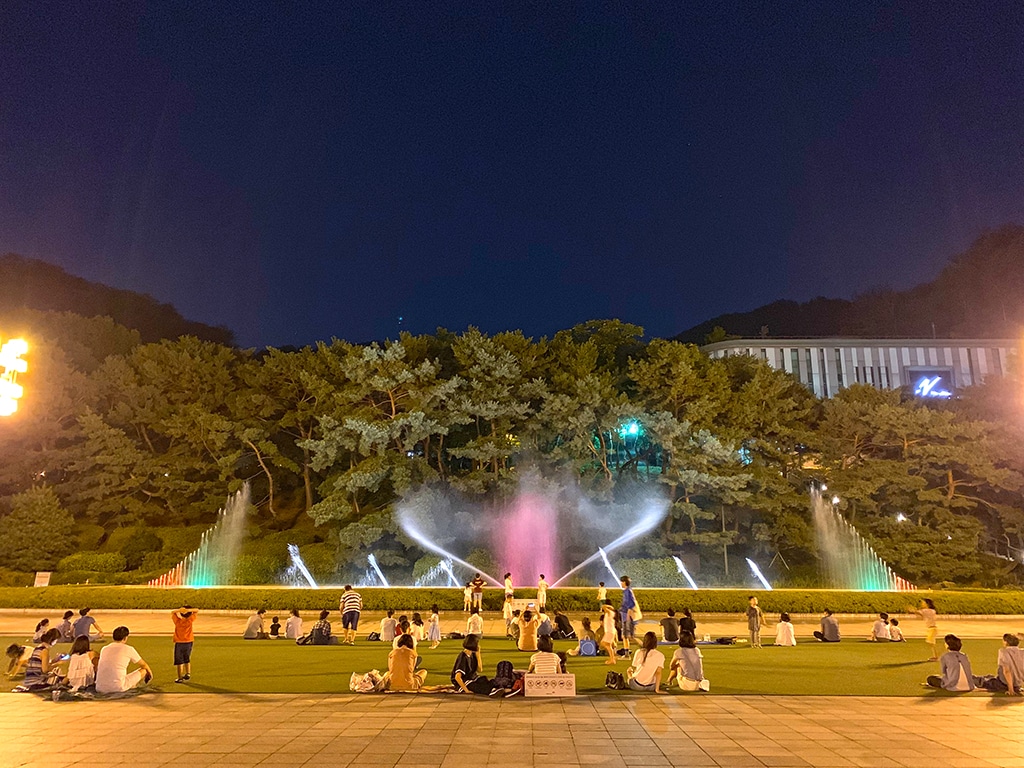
(11,364)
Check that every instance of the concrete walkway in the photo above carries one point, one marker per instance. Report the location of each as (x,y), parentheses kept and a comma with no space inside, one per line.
(21,622)
(449,731)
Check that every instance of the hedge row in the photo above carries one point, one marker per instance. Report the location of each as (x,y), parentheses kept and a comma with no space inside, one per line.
(574,600)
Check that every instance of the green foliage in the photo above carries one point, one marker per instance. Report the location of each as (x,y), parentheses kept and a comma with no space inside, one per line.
(660,570)
(141,543)
(37,533)
(652,601)
(104,562)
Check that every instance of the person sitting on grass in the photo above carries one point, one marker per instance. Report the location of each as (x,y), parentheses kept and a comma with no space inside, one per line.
(545,661)
(388,625)
(586,635)
(402,673)
(785,634)
(293,627)
(65,628)
(474,625)
(644,674)
(528,624)
(1010,666)
(687,665)
(563,627)
(880,629)
(85,624)
(513,628)
(895,633)
(418,628)
(41,629)
(670,627)
(82,665)
(254,629)
(275,628)
(829,632)
(687,624)
(17,658)
(112,675)
(607,640)
(956,669)
(544,629)
(404,629)
(466,675)
(321,632)
(40,664)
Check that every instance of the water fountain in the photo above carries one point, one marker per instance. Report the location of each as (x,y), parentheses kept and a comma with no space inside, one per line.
(442,572)
(848,561)
(542,528)
(298,572)
(686,573)
(380,574)
(213,561)
(754,569)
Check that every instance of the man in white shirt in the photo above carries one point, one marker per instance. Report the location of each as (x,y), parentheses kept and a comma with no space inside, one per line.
(475,624)
(1010,663)
(112,675)
(880,629)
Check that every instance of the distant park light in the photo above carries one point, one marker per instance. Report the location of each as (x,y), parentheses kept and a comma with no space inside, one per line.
(11,364)
(630,429)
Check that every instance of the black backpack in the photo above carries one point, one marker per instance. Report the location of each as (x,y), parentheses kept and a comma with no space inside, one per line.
(615,681)
(504,676)
(373,637)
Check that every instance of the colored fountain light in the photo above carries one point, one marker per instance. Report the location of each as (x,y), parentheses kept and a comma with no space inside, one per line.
(213,562)
(848,561)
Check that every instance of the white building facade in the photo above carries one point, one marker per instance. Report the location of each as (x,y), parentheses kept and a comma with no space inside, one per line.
(930,367)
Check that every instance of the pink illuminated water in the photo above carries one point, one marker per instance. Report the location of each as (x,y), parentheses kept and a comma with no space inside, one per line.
(525,539)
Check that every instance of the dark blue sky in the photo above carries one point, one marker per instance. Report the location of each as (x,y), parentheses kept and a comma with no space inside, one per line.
(297,172)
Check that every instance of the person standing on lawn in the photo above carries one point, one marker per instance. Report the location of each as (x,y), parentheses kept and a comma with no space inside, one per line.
(755,621)
(351,606)
(608,627)
(927,612)
(478,592)
(628,611)
(542,594)
(510,591)
(184,637)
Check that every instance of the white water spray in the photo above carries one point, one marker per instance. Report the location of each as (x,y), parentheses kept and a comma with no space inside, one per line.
(686,574)
(412,531)
(757,572)
(380,574)
(608,565)
(300,566)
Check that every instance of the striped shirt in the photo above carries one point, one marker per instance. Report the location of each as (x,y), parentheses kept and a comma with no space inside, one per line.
(34,674)
(351,602)
(544,663)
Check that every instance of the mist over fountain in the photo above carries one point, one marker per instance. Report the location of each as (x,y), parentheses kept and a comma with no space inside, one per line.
(847,560)
(213,561)
(546,526)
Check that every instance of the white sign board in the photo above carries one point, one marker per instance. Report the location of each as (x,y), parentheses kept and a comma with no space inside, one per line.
(42,579)
(550,685)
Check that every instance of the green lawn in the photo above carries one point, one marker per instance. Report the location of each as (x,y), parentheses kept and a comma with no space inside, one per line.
(853,667)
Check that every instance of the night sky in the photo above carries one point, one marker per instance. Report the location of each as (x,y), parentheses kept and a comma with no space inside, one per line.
(302,174)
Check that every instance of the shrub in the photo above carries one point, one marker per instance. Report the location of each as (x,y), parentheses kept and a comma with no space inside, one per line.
(257,569)
(652,601)
(662,570)
(37,533)
(141,543)
(105,562)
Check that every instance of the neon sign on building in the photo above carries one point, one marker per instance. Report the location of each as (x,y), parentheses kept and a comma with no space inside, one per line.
(933,384)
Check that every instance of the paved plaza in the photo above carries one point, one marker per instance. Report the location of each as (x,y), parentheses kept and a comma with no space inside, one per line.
(449,731)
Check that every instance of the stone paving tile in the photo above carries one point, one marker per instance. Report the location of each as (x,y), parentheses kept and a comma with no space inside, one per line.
(451,732)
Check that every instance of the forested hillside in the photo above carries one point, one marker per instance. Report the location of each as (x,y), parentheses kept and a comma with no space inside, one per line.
(980,294)
(36,285)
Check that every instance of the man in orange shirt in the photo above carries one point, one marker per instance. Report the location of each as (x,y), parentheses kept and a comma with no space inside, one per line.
(183,619)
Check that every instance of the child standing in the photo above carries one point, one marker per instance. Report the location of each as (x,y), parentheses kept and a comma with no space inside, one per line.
(184,637)
(467,597)
(506,613)
(608,625)
(475,624)
(602,593)
(755,620)
(434,626)
(542,593)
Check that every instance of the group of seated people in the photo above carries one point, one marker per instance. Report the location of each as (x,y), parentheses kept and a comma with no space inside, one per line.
(106,670)
(256,629)
(956,674)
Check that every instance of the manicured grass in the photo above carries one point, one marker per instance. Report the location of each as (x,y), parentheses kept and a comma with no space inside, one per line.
(853,667)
